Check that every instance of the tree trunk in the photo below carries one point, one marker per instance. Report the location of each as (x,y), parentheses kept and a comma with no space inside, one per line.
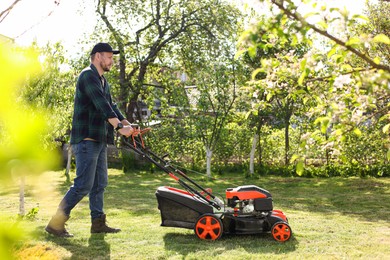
(252,154)
(125,86)
(286,143)
(209,154)
(327,151)
(259,127)
(133,112)
(260,152)
(21,196)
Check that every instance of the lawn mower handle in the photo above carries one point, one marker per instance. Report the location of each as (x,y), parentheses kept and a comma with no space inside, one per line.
(138,146)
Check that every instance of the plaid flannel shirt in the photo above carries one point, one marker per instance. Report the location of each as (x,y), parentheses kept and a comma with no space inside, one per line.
(93,107)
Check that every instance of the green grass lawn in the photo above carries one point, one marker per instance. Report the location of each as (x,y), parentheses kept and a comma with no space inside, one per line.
(335,218)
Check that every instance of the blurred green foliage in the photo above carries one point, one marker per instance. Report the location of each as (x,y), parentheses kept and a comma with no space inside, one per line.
(23,150)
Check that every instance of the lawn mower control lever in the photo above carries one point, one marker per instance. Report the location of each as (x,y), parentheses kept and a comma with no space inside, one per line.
(139,132)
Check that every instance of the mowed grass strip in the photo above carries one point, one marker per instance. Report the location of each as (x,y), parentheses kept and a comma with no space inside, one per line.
(334,218)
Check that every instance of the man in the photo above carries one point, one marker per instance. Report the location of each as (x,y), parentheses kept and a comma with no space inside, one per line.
(94,118)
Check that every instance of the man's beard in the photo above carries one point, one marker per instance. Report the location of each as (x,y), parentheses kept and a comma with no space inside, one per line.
(105,67)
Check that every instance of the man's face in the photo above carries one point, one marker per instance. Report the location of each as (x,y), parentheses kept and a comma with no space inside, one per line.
(106,60)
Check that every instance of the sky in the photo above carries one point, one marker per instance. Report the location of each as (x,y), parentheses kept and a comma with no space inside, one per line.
(45,21)
(67,21)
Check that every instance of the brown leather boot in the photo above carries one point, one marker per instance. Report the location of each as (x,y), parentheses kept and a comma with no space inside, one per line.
(99,226)
(56,226)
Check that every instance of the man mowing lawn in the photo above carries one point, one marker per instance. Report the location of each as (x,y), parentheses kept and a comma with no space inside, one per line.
(94,118)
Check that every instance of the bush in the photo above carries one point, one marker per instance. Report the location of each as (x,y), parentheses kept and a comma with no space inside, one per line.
(132,161)
(348,171)
(276,170)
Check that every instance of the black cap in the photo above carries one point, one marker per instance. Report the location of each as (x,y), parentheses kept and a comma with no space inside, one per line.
(103,47)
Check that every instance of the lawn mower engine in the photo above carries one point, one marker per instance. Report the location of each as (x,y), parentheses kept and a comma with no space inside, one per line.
(250,211)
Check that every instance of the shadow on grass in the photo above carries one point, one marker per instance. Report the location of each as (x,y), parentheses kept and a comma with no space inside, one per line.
(186,244)
(97,247)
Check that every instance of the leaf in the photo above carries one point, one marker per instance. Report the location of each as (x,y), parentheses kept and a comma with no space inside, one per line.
(269,96)
(338,132)
(294,40)
(359,16)
(385,129)
(388,155)
(264,62)
(381,38)
(294,157)
(239,53)
(353,41)
(324,123)
(248,114)
(385,117)
(304,72)
(300,168)
(303,76)
(303,64)
(310,14)
(377,60)
(323,25)
(331,52)
(257,71)
(252,51)
(338,58)
(357,132)
(346,67)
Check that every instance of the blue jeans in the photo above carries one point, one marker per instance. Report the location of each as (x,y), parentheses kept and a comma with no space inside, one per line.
(91,178)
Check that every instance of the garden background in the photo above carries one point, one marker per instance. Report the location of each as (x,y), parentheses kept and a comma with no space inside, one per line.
(288,95)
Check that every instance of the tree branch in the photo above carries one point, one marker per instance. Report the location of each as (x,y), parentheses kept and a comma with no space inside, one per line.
(56,2)
(325,78)
(5,13)
(296,16)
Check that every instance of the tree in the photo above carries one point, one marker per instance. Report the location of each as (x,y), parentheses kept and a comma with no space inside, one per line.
(341,74)
(275,51)
(154,32)
(217,84)
(377,24)
(352,44)
(53,89)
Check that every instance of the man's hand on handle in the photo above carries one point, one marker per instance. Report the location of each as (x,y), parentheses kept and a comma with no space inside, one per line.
(127,130)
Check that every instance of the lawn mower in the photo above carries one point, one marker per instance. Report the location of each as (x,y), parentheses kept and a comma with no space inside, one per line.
(247,209)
